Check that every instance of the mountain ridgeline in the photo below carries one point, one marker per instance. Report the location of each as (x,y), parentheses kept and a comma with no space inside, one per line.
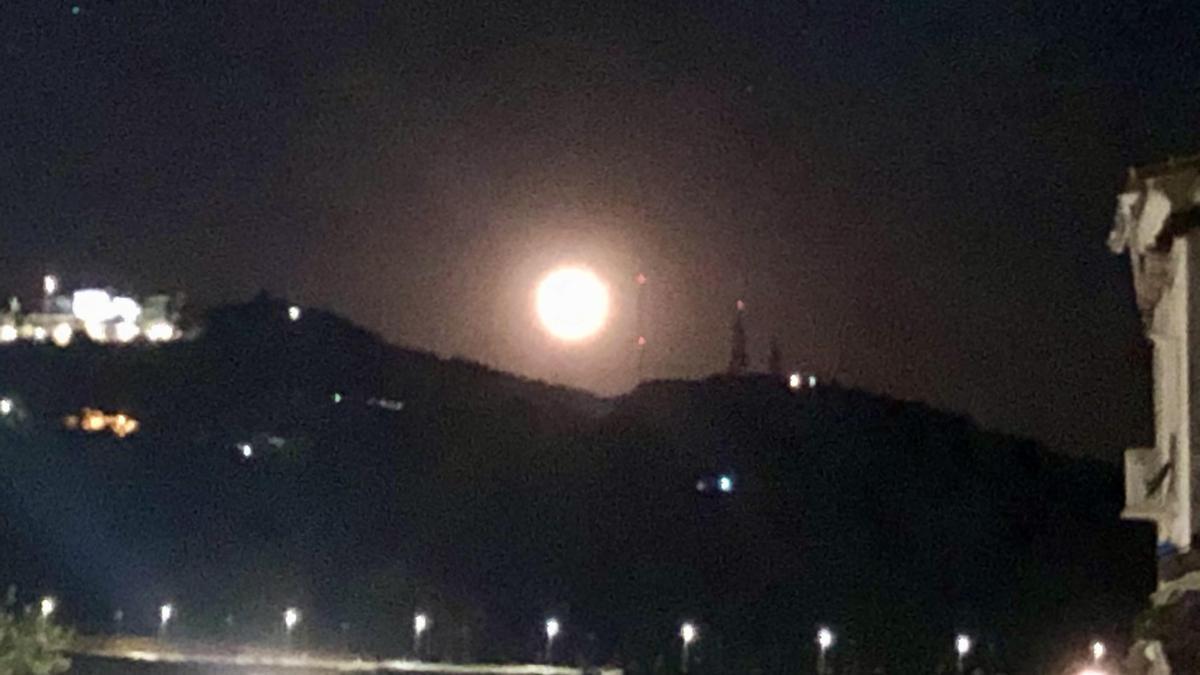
(310,464)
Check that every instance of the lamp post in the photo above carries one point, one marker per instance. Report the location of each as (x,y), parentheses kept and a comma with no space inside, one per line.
(420,625)
(49,288)
(291,617)
(165,613)
(552,629)
(824,642)
(1098,651)
(688,634)
(962,646)
(47,606)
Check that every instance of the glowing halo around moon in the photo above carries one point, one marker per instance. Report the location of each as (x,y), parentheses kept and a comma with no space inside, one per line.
(572,303)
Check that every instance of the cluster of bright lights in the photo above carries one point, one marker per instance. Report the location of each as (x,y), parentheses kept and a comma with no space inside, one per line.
(93,305)
(101,315)
(796,381)
(93,421)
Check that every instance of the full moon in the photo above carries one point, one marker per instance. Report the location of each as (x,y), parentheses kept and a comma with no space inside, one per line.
(572,303)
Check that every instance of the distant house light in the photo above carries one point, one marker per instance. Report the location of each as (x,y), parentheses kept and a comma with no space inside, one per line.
(96,331)
(812,381)
(126,331)
(122,425)
(246,449)
(337,397)
(794,381)
(160,331)
(61,335)
(125,308)
(8,333)
(40,334)
(92,305)
(294,313)
(50,284)
(725,483)
(6,406)
(386,404)
(93,420)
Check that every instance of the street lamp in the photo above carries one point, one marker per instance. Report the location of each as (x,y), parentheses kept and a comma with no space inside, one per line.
(824,641)
(420,625)
(49,286)
(47,606)
(962,645)
(553,627)
(687,633)
(1098,651)
(291,617)
(165,614)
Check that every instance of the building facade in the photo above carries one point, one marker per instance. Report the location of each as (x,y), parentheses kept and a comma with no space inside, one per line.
(1156,224)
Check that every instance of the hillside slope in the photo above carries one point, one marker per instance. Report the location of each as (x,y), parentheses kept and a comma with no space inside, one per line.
(382,479)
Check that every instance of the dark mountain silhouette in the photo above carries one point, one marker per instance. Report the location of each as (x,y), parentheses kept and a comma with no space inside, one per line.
(383,479)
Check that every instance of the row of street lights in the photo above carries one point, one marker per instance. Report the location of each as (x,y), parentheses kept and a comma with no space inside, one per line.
(166,613)
(688,634)
(421,624)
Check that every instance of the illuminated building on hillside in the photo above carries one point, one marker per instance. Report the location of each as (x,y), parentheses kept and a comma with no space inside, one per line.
(99,314)
(92,421)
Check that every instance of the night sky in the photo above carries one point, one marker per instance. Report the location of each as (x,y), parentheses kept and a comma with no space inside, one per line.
(915,197)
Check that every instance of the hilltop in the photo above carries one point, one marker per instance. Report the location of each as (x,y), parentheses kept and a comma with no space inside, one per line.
(379,479)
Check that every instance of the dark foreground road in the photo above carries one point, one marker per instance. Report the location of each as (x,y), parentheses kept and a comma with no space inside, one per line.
(89,665)
(83,664)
